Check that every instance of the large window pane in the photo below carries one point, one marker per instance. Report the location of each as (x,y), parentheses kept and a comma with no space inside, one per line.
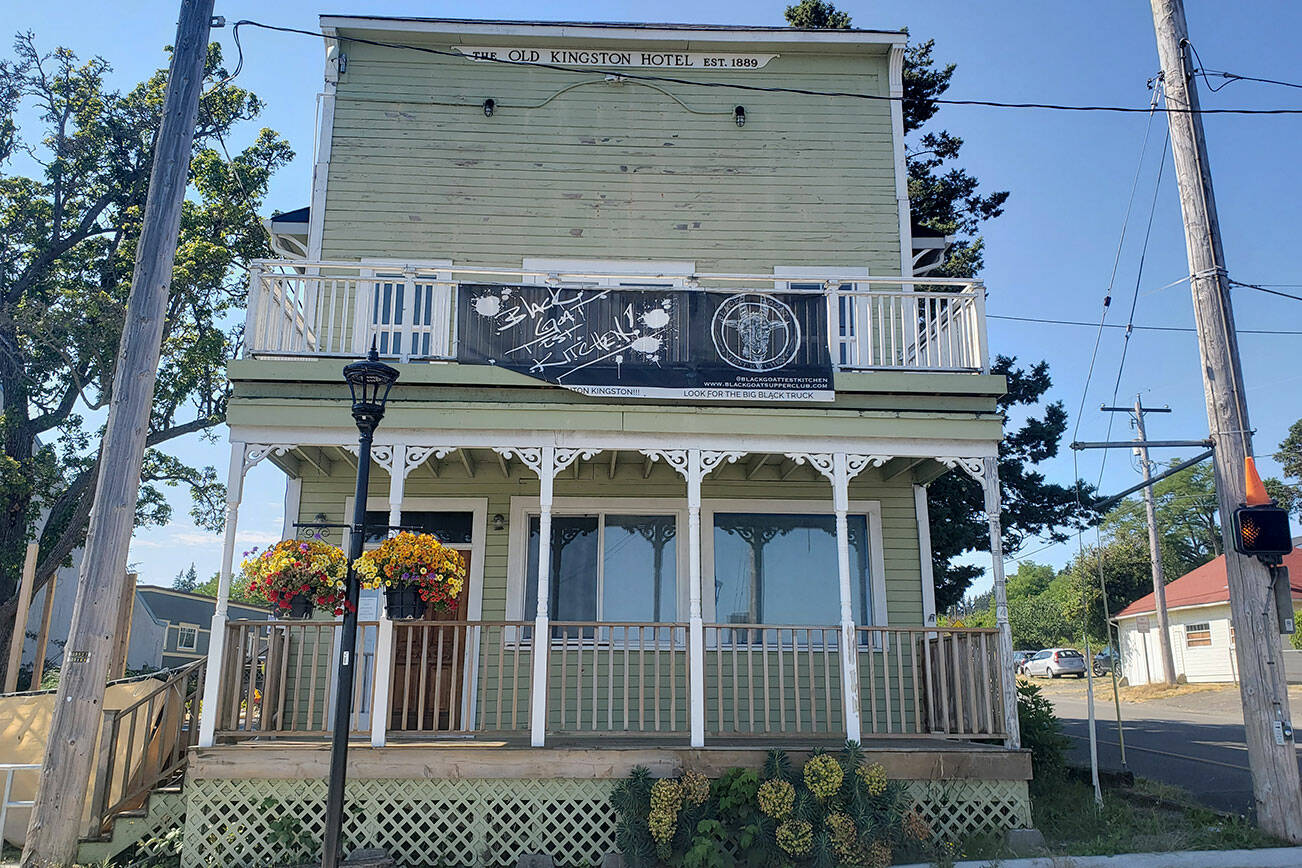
(782,569)
(572,594)
(450,528)
(639,568)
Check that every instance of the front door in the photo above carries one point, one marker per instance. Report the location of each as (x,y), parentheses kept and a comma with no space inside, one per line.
(429,666)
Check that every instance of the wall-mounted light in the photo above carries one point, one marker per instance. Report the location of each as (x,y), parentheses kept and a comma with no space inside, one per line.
(489,107)
(739,115)
(499,522)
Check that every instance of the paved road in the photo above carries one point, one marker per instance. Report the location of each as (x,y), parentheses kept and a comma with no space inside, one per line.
(1194,741)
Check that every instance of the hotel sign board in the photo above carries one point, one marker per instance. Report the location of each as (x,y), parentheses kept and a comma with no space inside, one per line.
(607,58)
(652,342)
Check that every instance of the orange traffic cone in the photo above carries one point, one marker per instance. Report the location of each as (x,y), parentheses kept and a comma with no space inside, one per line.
(1255,490)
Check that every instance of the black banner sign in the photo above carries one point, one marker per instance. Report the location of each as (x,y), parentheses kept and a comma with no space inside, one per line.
(652,342)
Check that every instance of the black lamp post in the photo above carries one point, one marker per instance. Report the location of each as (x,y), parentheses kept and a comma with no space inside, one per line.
(369,381)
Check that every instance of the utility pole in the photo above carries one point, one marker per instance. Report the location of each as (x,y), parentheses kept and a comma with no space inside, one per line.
(56,821)
(1272,756)
(1154,541)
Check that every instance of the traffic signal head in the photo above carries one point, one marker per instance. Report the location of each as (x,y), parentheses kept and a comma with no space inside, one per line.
(1262,531)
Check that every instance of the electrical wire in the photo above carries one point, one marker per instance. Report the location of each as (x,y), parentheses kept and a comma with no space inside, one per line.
(1138,328)
(1261,288)
(1231,77)
(624,73)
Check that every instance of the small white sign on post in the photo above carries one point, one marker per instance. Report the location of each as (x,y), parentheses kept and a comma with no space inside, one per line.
(1141,623)
(612,58)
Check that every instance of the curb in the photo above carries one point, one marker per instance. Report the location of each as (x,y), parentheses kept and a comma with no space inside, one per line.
(1277,857)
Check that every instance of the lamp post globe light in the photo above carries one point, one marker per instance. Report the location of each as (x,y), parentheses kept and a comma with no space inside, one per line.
(369,382)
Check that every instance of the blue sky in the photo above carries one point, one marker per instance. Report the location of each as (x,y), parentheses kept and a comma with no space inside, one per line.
(1050,255)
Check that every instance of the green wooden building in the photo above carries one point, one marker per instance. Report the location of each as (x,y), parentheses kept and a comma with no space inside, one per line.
(674,379)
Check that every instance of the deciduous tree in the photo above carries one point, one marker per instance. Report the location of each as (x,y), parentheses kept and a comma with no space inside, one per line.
(72,192)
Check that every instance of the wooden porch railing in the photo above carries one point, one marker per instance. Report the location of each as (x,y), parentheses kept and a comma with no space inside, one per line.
(145,745)
(617,677)
(474,677)
(336,309)
(769,680)
(460,677)
(278,677)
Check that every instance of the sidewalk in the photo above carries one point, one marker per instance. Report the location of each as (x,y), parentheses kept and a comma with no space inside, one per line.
(1279,857)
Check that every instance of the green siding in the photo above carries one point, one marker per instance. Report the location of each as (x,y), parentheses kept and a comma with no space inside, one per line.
(612,171)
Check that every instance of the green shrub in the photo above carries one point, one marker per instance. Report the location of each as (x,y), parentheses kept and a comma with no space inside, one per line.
(1041,733)
(835,810)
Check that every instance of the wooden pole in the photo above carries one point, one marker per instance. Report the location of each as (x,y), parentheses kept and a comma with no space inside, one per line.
(43,634)
(118,662)
(1154,549)
(19,637)
(65,772)
(1272,756)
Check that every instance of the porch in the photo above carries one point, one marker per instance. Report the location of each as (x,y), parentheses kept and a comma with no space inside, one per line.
(616,684)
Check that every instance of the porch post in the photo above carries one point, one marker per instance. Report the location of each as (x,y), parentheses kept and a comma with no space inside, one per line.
(849,641)
(217,635)
(695,619)
(383,673)
(694,465)
(1007,679)
(541,629)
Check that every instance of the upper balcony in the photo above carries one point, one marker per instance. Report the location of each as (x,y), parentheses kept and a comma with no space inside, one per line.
(304,310)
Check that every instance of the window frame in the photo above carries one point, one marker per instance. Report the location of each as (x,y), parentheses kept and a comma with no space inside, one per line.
(524,508)
(1204,627)
(181,627)
(872,509)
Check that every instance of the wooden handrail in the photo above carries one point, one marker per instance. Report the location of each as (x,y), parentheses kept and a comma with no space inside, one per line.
(166,723)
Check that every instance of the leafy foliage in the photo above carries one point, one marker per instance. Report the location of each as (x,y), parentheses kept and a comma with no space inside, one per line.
(186,580)
(1041,734)
(1289,494)
(835,810)
(68,235)
(1031,506)
(817,14)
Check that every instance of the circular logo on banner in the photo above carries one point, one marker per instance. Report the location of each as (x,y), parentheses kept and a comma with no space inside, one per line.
(754,332)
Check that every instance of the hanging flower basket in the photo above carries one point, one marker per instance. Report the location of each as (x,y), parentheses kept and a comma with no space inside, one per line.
(416,564)
(297,577)
(403,604)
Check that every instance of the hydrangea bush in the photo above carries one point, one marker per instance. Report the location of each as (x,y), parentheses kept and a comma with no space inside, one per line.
(835,810)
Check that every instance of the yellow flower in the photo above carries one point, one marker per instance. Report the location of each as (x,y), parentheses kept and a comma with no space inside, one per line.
(776,798)
(796,837)
(875,777)
(823,776)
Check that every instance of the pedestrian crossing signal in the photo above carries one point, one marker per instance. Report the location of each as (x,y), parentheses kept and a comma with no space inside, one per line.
(1262,531)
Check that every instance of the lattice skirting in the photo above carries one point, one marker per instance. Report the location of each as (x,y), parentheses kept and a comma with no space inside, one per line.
(959,809)
(483,822)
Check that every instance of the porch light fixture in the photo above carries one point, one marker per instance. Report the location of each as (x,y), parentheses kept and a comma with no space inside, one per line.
(499,521)
(369,381)
(739,114)
(489,107)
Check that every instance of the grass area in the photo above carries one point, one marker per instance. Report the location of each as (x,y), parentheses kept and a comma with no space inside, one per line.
(1148,692)
(1148,818)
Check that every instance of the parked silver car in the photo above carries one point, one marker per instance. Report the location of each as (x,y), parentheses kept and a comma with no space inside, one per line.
(1056,662)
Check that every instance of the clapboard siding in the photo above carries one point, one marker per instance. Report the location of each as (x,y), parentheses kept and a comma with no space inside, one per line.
(571,165)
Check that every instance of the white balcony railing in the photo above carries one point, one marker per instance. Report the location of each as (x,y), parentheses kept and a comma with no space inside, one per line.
(336,309)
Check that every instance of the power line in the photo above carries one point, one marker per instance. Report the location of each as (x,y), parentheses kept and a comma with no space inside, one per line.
(623,73)
(1075,322)
(1261,288)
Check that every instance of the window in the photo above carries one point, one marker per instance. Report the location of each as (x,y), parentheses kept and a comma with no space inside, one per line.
(187,637)
(408,319)
(850,324)
(1068,652)
(1198,635)
(451,528)
(1042,655)
(774,568)
(607,567)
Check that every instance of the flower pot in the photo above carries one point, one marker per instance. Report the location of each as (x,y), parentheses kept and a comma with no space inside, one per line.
(403,604)
(300,606)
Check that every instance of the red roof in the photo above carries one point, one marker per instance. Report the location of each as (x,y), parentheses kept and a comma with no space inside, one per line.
(1206,585)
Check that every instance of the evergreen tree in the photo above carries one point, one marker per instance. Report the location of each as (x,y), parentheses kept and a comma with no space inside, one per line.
(947,198)
(186,580)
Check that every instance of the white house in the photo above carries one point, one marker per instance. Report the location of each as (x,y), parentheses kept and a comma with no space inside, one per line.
(1202,635)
